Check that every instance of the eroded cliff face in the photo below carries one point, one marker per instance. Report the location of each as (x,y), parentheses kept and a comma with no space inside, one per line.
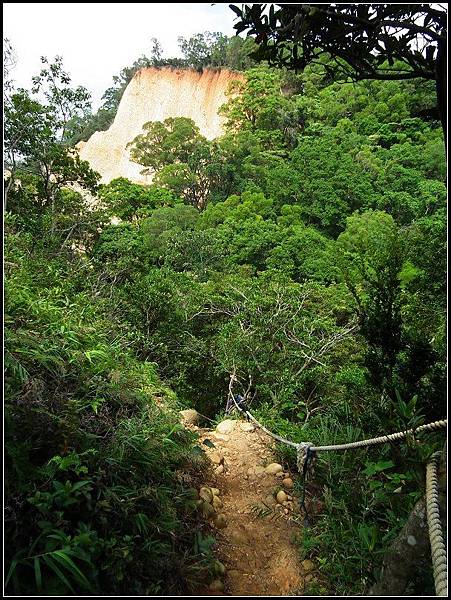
(154,95)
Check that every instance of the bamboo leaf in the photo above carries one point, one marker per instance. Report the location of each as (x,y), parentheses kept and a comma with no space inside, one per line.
(79,484)
(51,564)
(11,571)
(37,572)
(66,561)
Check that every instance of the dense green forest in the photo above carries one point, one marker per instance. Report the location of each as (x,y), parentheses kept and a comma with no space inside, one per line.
(304,250)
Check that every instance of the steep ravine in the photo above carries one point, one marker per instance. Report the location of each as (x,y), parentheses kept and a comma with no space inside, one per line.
(154,94)
(256,534)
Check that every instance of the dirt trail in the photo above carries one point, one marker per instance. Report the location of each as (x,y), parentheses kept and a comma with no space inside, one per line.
(256,546)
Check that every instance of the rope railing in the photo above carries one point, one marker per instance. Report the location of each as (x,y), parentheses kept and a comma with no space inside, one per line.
(306,451)
(273,435)
(438,550)
(383,439)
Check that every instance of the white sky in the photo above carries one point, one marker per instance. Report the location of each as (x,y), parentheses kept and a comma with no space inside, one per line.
(97,40)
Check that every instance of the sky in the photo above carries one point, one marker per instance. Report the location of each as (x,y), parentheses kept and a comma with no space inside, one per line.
(97,40)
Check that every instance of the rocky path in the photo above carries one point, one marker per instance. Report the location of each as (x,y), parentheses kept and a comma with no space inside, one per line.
(256,516)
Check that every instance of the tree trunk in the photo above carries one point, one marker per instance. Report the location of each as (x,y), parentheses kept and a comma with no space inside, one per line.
(7,188)
(411,546)
(441,83)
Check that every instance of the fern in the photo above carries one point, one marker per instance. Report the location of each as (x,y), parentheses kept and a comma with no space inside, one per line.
(57,561)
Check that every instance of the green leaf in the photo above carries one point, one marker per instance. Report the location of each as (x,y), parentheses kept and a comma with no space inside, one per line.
(236,10)
(37,572)
(374,485)
(50,563)
(240,27)
(69,564)
(373,468)
(79,484)
(208,443)
(368,534)
(272,20)
(11,570)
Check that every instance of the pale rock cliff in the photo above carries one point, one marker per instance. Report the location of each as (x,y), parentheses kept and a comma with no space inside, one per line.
(154,94)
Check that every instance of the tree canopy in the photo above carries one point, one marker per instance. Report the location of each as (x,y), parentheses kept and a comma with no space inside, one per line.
(363,41)
(37,136)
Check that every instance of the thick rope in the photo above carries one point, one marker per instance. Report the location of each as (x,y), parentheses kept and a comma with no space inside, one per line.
(438,549)
(361,444)
(276,437)
(385,438)
(273,435)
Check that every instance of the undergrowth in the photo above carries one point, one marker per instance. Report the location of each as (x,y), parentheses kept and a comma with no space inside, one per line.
(99,494)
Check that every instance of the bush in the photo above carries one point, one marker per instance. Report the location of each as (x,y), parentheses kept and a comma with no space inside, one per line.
(99,470)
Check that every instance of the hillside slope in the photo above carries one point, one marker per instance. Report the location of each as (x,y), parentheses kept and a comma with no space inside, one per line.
(154,94)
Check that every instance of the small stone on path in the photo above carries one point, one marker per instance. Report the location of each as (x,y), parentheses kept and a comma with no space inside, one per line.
(220,436)
(189,416)
(216,457)
(273,468)
(217,503)
(207,510)
(206,494)
(216,586)
(220,521)
(281,497)
(226,426)
(308,565)
(270,500)
(246,427)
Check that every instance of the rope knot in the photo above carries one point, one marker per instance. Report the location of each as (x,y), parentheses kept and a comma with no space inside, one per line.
(304,455)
